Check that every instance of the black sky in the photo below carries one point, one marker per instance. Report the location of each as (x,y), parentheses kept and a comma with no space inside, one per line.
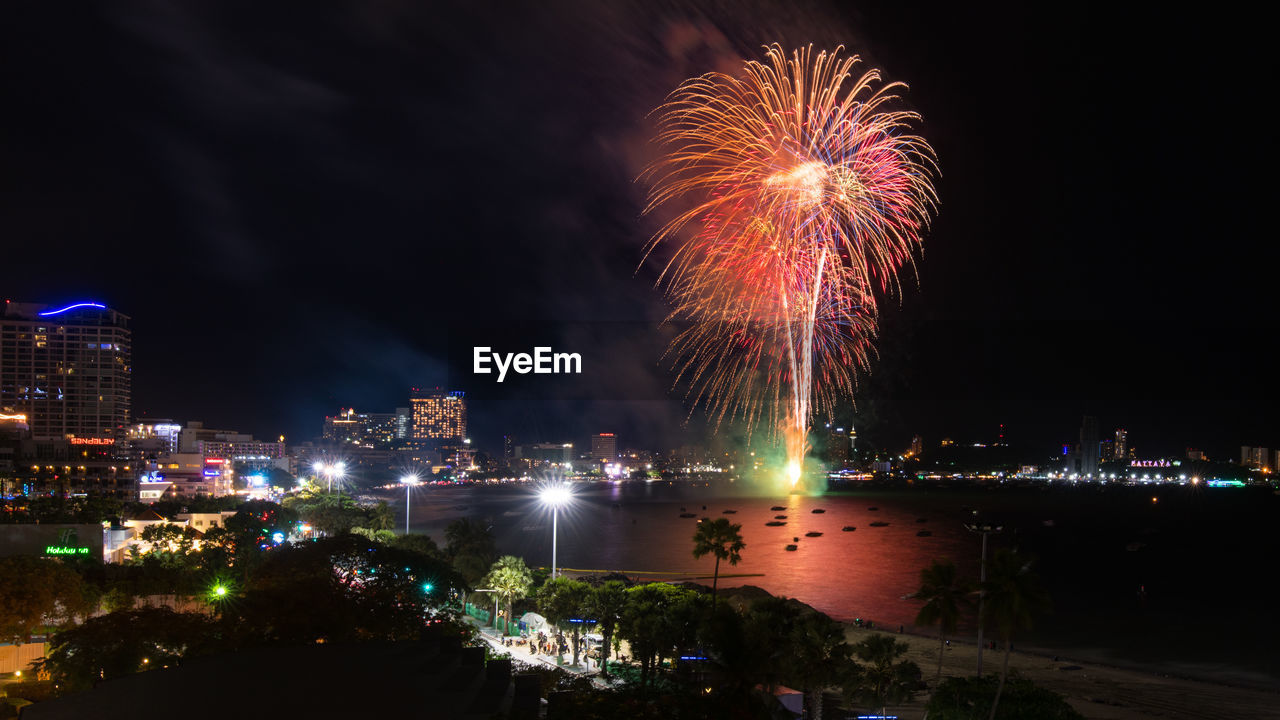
(311,205)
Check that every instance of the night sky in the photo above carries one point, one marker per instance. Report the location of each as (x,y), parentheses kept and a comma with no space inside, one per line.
(312,205)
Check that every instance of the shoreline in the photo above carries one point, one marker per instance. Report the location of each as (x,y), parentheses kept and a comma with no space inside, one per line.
(1096,690)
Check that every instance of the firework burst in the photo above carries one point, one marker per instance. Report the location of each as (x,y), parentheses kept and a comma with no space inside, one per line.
(802,195)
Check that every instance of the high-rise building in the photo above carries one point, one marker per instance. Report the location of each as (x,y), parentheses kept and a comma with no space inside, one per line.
(1121,448)
(345,428)
(1089,446)
(1256,457)
(604,448)
(68,369)
(838,446)
(1107,451)
(534,455)
(404,423)
(917,446)
(439,416)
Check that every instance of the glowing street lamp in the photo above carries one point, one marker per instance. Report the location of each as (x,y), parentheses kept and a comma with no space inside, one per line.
(555,496)
(409,481)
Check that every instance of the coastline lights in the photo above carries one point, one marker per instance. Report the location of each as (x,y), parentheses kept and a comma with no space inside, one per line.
(73,307)
(555,495)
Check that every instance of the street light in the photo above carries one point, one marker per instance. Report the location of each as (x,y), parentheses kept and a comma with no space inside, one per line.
(409,481)
(555,496)
(985,529)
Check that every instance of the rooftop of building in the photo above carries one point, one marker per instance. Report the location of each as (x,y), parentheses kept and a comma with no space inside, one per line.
(83,312)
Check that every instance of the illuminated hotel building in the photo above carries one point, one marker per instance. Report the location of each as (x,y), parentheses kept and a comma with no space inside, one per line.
(439,416)
(68,369)
(367,430)
(604,447)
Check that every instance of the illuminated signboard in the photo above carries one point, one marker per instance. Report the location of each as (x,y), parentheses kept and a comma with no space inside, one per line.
(73,307)
(1150,463)
(92,441)
(63,550)
(214,461)
(81,541)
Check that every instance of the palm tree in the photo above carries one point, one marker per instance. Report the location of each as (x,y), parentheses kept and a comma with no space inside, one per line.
(381,517)
(606,602)
(1013,596)
(884,678)
(510,579)
(945,596)
(722,539)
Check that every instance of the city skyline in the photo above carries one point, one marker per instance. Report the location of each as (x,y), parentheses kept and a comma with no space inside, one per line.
(345,250)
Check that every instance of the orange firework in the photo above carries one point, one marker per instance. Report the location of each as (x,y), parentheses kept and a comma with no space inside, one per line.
(803,194)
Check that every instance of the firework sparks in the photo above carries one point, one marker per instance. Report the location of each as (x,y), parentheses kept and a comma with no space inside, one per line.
(803,194)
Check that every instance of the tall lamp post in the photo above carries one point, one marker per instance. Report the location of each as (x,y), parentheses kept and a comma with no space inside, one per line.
(339,471)
(555,496)
(984,529)
(409,481)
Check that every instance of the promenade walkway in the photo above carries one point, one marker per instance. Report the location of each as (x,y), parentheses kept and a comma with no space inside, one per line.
(520,655)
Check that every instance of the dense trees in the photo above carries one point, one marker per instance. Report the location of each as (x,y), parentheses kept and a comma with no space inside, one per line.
(657,620)
(970,699)
(561,601)
(470,546)
(126,642)
(36,594)
(335,513)
(341,588)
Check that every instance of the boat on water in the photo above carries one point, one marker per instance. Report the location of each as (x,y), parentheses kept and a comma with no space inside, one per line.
(688,515)
(848,528)
(813,533)
(512,513)
(817,511)
(775,523)
(730,512)
(879,523)
(873,509)
(792,548)
(924,533)
(776,508)
(779,517)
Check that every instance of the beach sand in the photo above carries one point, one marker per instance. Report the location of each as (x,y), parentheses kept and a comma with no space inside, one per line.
(1097,691)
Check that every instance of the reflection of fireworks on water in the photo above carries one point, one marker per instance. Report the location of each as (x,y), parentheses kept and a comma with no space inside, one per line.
(805,195)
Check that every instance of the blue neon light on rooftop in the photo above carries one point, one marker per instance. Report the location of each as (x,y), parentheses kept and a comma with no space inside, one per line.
(73,307)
